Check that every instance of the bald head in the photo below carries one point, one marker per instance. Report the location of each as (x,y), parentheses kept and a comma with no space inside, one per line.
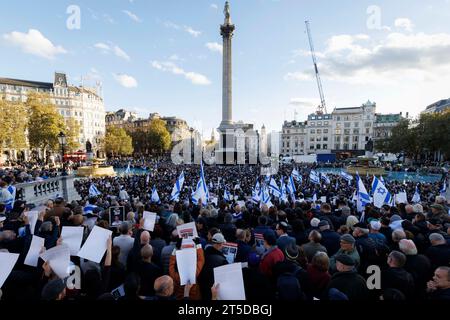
(147,252)
(409,208)
(163,286)
(145,237)
(240,234)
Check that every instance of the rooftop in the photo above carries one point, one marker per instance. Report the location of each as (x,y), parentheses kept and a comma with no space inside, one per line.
(26,83)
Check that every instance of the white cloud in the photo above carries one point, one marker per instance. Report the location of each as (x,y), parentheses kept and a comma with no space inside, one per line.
(214,6)
(120,53)
(214,47)
(175,57)
(193,77)
(132,16)
(35,43)
(404,23)
(188,29)
(398,56)
(125,80)
(108,48)
(192,32)
(304,102)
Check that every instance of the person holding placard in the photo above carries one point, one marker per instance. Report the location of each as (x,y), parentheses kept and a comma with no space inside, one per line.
(174,272)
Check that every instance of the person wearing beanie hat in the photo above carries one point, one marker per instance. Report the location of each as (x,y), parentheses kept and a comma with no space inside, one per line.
(54,290)
(271,256)
(284,239)
(347,247)
(314,222)
(347,280)
(351,221)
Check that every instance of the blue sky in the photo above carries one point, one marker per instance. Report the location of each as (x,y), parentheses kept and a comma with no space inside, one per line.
(164,56)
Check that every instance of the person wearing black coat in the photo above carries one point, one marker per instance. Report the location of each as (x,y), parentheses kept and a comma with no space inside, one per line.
(330,239)
(439,287)
(347,280)
(395,277)
(438,252)
(244,249)
(213,258)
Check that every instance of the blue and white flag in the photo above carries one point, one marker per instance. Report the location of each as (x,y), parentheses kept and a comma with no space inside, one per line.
(267,178)
(314,197)
(147,179)
(274,189)
(202,191)
(226,195)
(291,188)
(416,196)
(175,195)
(325,178)
(443,190)
(283,196)
(381,179)
(314,177)
(380,193)
(155,196)
(256,192)
(128,169)
(363,195)
(265,196)
(346,176)
(297,176)
(93,191)
(9,203)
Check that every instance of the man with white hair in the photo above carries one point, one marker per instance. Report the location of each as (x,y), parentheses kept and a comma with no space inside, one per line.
(418,265)
(439,251)
(397,235)
(443,202)
(375,234)
(409,209)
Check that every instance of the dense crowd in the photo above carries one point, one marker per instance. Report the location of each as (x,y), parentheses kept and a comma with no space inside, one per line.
(309,249)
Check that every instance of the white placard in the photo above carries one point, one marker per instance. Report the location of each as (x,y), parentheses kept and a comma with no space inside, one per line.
(231,282)
(32,218)
(96,244)
(187,265)
(7,262)
(33,253)
(401,197)
(187,231)
(72,236)
(323,199)
(59,259)
(149,220)
(214,200)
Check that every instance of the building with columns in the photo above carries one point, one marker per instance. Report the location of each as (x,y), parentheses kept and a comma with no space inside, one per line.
(82,103)
(293,138)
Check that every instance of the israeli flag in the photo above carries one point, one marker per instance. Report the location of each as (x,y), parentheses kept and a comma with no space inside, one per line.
(266,196)
(314,177)
(155,196)
(128,169)
(380,193)
(256,192)
(297,176)
(175,195)
(9,203)
(202,191)
(93,191)
(314,197)
(291,188)
(147,179)
(381,179)
(416,196)
(363,195)
(443,190)
(283,196)
(346,176)
(226,195)
(325,178)
(267,178)
(273,187)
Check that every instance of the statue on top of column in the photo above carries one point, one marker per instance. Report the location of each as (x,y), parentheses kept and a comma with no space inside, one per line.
(226,11)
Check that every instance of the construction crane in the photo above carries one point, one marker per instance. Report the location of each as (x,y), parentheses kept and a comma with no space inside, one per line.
(322,108)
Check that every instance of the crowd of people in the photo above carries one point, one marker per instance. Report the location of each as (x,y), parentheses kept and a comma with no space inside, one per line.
(293,250)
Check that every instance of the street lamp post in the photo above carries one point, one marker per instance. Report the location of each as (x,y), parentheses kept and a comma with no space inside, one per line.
(192,143)
(62,141)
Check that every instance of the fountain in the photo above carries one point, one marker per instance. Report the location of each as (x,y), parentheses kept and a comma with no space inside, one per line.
(97,169)
(364,166)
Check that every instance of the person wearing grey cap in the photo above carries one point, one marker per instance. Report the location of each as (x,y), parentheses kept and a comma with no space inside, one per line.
(347,243)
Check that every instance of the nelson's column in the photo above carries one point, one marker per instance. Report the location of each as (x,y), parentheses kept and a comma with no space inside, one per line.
(226,154)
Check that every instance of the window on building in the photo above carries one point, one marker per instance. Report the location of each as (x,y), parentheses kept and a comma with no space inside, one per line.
(345,146)
(338,118)
(356,124)
(325,123)
(319,123)
(325,146)
(355,131)
(311,139)
(325,131)
(311,147)
(368,124)
(287,145)
(319,131)
(367,130)
(312,124)
(346,139)
(312,131)
(347,124)
(325,138)
(319,139)
(338,131)
(355,138)
(318,146)
(338,139)
(355,146)
(347,131)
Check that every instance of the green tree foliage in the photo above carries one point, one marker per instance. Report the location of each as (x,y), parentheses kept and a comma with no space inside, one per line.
(117,142)
(428,134)
(44,122)
(72,131)
(14,120)
(153,139)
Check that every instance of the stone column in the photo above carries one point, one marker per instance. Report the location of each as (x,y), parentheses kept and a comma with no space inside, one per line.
(227,104)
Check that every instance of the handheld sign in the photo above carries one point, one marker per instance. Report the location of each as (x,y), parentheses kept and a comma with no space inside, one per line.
(187,265)
(72,237)
(116,216)
(59,259)
(229,251)
(149,220)
(33,253)
(231,282)
(32,218)
(7,262)
(96,244)
(187,231)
